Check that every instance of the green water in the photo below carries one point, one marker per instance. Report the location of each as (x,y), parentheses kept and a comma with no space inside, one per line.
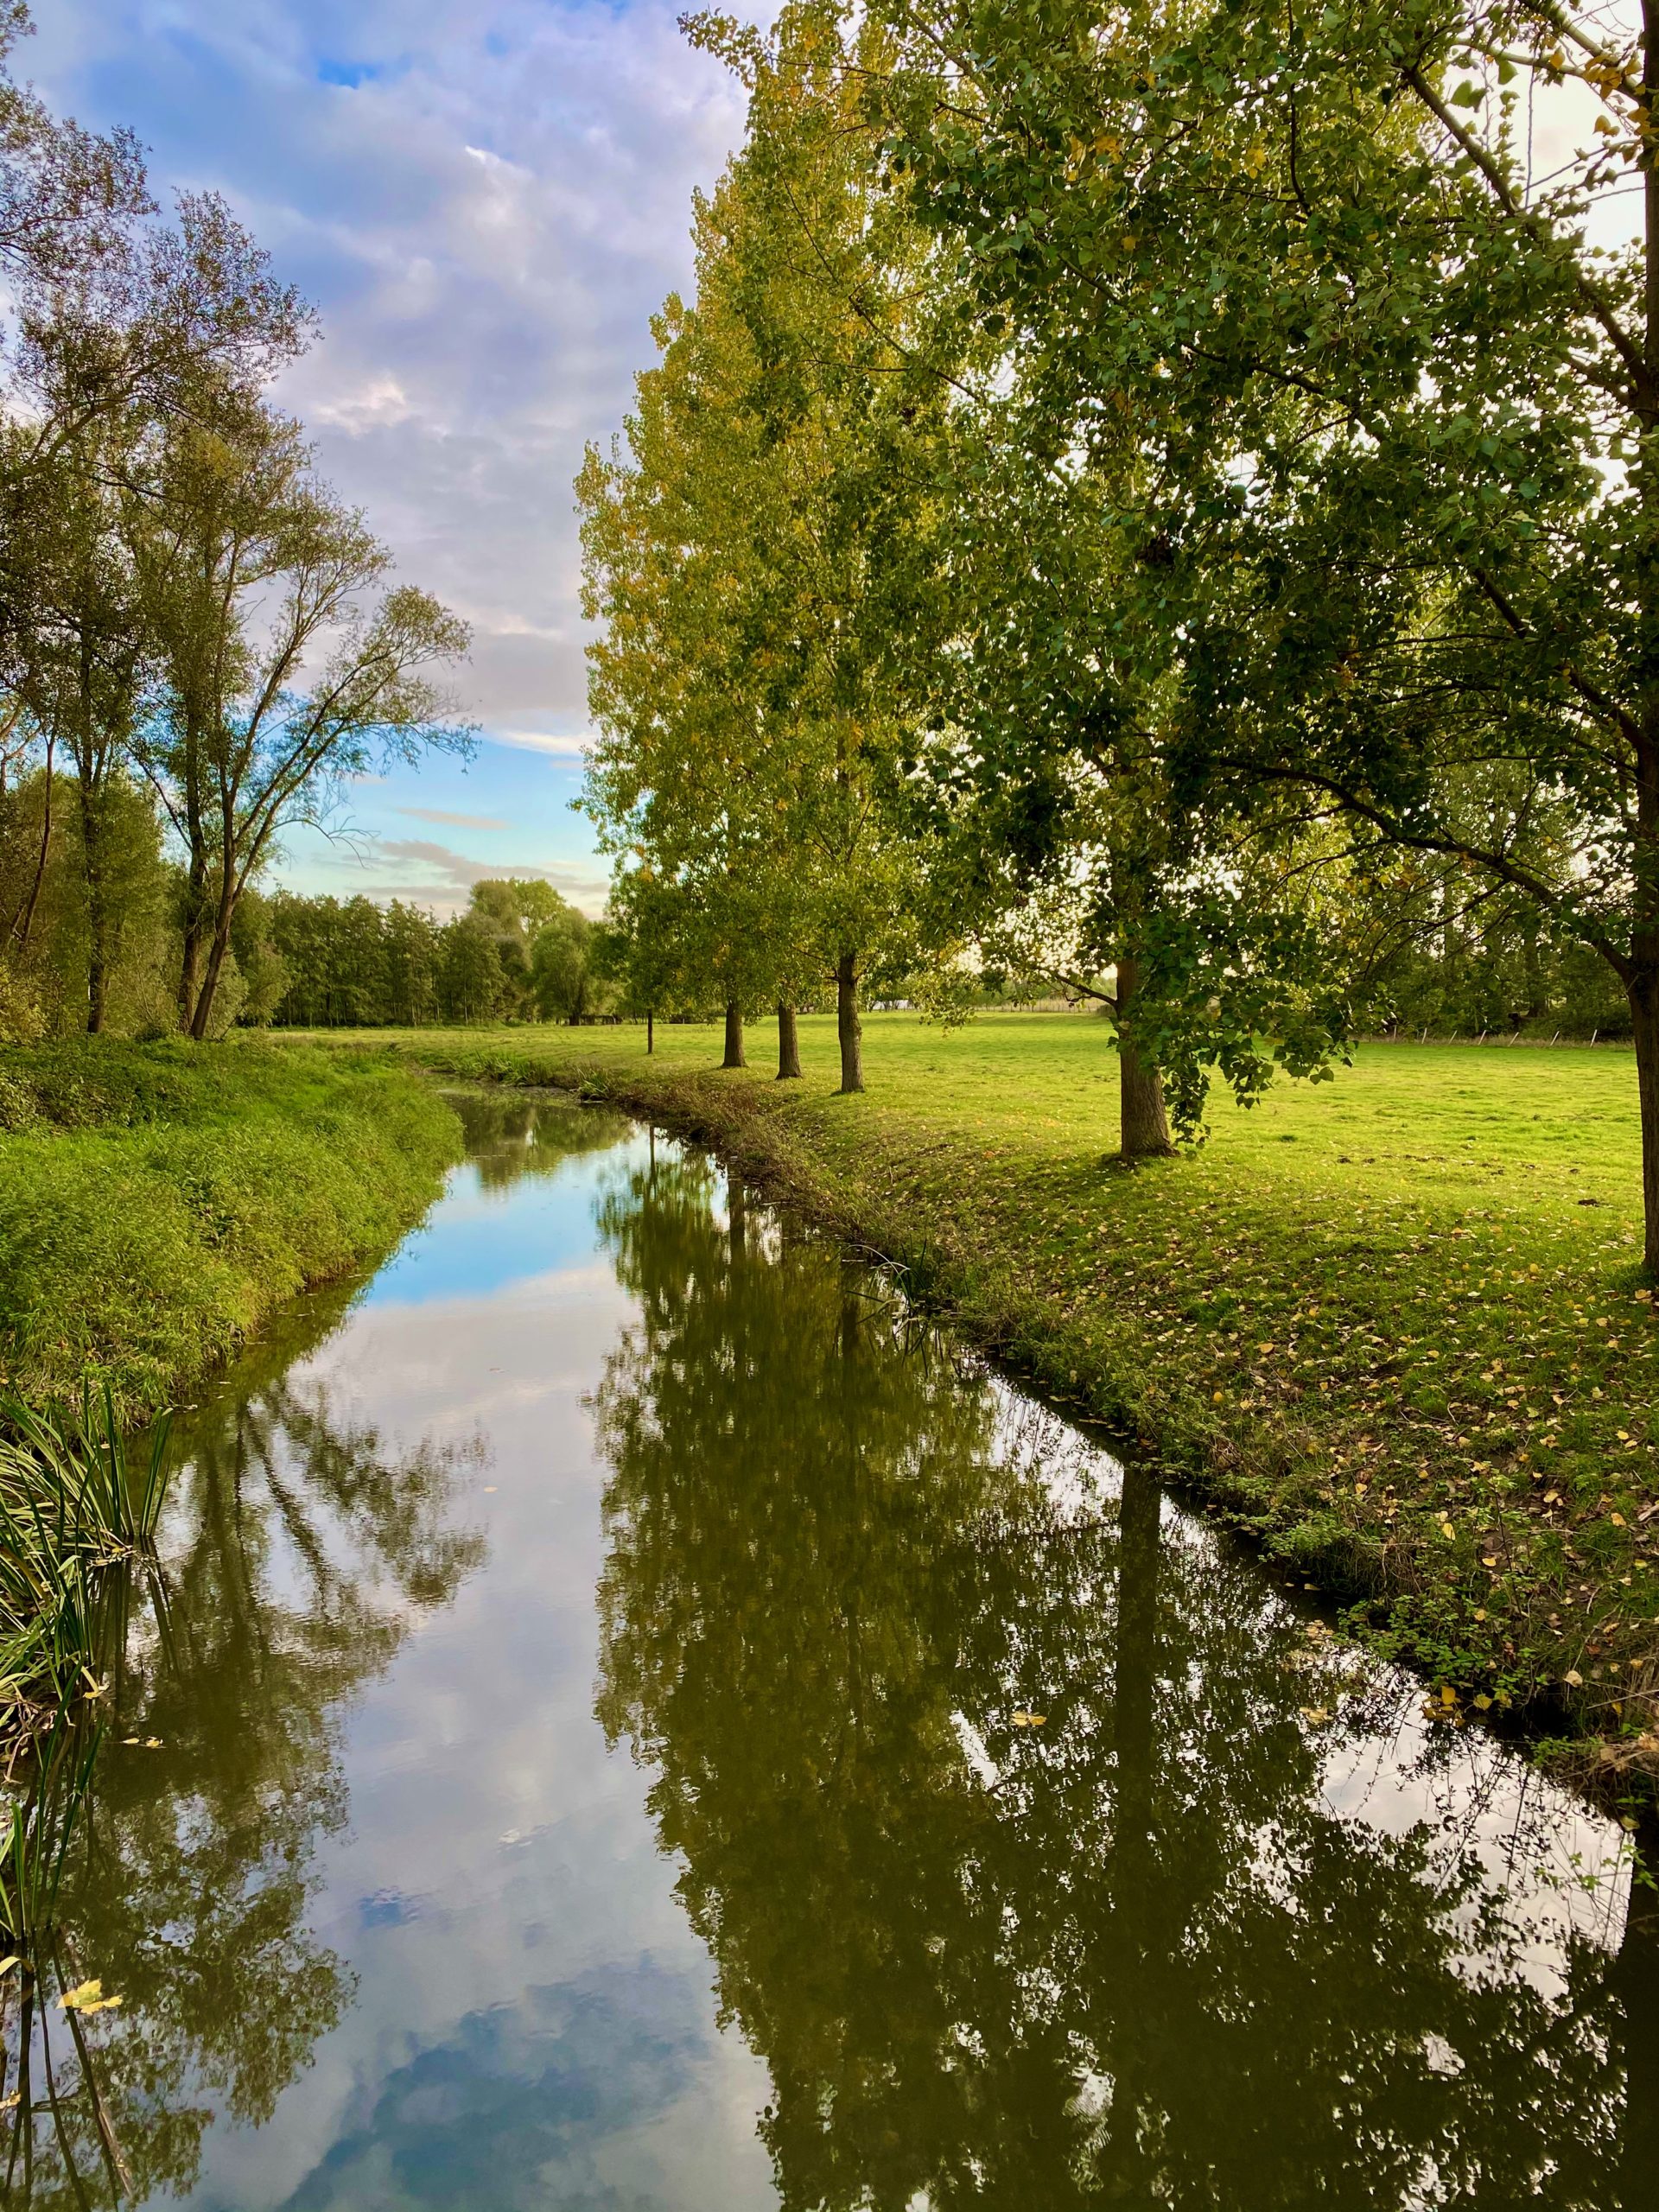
(630,1719)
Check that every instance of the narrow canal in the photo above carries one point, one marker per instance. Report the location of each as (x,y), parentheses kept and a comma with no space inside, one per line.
(632,1721)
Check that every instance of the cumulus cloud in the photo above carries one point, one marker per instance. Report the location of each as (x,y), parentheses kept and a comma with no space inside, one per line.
(487,199)
(453,875)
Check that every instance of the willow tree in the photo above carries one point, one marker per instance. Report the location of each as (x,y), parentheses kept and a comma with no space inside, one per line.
(763,559)
(1401,389)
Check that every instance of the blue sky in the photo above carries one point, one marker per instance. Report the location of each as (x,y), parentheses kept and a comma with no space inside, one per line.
(486,198)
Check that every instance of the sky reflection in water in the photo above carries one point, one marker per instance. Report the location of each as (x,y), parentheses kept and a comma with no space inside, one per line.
(643,1725)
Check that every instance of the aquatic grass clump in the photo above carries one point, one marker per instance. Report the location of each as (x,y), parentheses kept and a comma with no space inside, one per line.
(73,1513)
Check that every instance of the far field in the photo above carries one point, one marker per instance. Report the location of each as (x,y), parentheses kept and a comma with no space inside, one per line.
(1394,1325)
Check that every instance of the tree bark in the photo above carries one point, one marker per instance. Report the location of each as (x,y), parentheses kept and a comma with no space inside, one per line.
(1644,1022)
(849,1028)
(789,1044)
(223,915)
(26,920)
(651,1032)
(98,917)
(1143,1123)
(733,1036)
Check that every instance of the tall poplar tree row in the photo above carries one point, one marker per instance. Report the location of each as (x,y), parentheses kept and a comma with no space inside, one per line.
(764,560)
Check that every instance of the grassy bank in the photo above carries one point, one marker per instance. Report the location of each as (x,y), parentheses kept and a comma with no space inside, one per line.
(157,1201)
(1394,1327)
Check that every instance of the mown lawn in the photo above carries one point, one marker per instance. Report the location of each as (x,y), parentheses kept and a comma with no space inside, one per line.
(1393,1325)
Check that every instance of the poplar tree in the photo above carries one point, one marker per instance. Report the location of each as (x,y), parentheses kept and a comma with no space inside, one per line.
(1400,398)
(763,560)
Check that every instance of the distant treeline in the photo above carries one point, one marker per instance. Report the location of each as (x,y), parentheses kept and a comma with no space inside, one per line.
(519,952)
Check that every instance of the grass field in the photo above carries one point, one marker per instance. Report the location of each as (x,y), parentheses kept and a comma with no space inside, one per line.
(157,1201)
(1393,1326)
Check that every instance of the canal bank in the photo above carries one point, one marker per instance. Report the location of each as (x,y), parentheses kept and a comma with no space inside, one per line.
(630,1712)
(1422,1388)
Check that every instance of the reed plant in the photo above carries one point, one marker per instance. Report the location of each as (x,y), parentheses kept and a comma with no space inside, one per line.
(74,1512)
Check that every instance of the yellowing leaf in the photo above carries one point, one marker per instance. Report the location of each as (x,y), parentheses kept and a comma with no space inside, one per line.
(1574,1676)
(87,1997)
(1029,1720)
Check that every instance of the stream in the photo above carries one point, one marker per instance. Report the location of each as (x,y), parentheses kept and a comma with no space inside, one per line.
(630,1719)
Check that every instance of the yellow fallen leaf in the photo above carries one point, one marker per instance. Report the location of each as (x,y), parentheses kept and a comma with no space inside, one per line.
(87,1997)
(1029,1720)
(1448,1695)
(152,1742)
(1575,1677)
(1482,1703)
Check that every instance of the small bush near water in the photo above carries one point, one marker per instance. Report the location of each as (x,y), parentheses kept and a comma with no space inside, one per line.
(158,1200)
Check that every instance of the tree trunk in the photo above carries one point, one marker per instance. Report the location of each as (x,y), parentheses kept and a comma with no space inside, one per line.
(650,1033)
(849,1028)
(190,957)
(733,1036)
(789,1044)
(1644,1020)
(1143,1123)
(98,919)
(26,920)
(216,957)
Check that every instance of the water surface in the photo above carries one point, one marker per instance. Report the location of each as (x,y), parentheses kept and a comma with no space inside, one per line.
(630,1719)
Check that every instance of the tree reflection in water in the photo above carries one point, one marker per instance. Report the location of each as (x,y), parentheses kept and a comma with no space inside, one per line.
(1165,1945)
(300,1548)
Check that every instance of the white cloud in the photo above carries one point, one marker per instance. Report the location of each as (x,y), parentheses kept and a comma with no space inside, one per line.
(487,199)
(445,820)
(537,741)
(430,875)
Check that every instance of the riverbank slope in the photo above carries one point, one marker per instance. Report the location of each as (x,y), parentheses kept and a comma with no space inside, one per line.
(158,1201)
(1393,1328)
